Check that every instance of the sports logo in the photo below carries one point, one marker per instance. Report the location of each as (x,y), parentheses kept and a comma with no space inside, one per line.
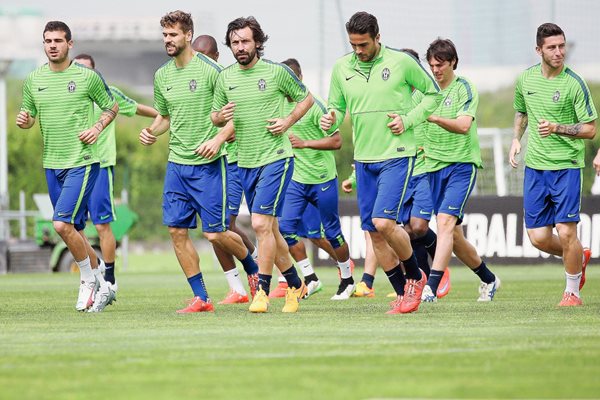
(262,85)
(448,101)
(556,96)
(385,74)
(193,85)
(71,86)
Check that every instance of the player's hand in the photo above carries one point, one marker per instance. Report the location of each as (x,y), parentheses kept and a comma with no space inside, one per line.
(545,128)
(277,126)
(227,111)
(146,137)
(208,149)
(89,136)
(515,148)
(347,186)
(596,163)
(328,120)
(397,126)
(23,119)
(297,143)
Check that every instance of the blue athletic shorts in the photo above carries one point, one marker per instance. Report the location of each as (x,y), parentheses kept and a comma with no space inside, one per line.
(451,187)
(310,225)
(381,187)
(69,191)
(234,189)
(101,204)
(323,196)
(196,189)
(551,197)
(417,200)
(265,187)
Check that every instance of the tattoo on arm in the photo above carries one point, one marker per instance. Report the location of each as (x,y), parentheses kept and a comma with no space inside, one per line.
(569,130)
(105,119)
(521,121)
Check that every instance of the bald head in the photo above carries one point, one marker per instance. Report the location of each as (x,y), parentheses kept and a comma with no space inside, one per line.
(206,45)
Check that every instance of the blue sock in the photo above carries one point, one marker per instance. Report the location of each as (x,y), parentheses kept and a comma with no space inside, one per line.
(249,264)
(411,267)
(368,279)
(434,280)
(397,279)
(292,278)
(197,284)
(484,273)
(109,274)
(430,242)
(264,282)
(422,256)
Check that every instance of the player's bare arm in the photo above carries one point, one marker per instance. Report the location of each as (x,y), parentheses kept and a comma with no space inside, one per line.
(146,111)
(211,147)
(89,136)
(159,126)
(519,126)
(24,120)
(278,126)
(221,117)
(333,142)
(596,163)
(579,130)
(459,125)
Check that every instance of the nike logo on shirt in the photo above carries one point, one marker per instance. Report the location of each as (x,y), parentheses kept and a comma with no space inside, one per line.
(350,77)
(232,87)
(42,88)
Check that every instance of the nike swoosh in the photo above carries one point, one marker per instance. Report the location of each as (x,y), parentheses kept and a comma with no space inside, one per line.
(313,232)
(424,212)
(453,208)
(325,188)
(265,207)
(350,77)
(571,215)
(528,92)
(169,88)
(213,225)
(104,217)
(232,208)
(63,214)
(42,88)
(388,211)
(232,87)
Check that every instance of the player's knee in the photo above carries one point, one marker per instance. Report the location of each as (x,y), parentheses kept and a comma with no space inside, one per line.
(213,237)
(337,241)
(383,225)
(62,228)
(418,228)
(261,226)
(177,233)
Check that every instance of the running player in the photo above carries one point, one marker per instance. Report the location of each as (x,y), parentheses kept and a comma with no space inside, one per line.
(374,83)
(62,93)
(251,93)
(195,181)
(555,103)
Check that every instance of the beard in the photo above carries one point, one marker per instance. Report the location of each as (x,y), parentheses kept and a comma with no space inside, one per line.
(57,58)
(244,58)
(173,50)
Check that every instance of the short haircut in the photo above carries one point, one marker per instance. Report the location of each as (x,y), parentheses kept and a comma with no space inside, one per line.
(178,17)
(86,57)
(546,30)
(210,42)
(257,33)
(443,50)
(294,66)
(361,23)
(53,26)
(411,52)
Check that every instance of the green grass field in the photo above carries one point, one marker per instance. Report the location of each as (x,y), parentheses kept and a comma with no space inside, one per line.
(519,346)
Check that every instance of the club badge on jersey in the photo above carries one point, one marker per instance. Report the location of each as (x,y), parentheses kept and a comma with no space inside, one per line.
(385,74)
(262,85)
(71,86)
(193,85)
(556,96)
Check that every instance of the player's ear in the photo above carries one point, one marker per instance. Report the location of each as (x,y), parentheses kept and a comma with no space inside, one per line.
(538,50)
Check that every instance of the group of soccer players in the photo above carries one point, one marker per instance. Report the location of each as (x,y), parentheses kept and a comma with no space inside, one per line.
(253,128)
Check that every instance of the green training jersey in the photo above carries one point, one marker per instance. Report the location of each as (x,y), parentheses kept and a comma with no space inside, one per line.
(369,98)
(311,166)
(107,143)
(564,99)
(259,94)
(443,148)
(64,102)
(186,94)
(419,130)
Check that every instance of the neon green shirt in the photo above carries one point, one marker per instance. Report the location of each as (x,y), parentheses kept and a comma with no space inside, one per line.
(566,99)
(419,130)
(64,102)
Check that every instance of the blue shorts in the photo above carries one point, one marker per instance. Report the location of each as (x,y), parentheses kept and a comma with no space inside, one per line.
(234,189)
(551,197)
(323,196)
(381,187)
(70,190)
(101,203)
(265,187)
(196,189)
(310,225)
(417,200)
(451,187)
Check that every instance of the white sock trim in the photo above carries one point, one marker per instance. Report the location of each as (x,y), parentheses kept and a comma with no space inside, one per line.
(234,281)
(572,285)
(85,269)
(345,271)
(305,267)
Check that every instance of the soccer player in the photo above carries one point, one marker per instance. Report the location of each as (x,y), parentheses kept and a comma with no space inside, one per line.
(101,205)
(315,181)
(195,181)
(62,93)
(251,92)
(452,157)
(374,83)
(555,103)
(207,45)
